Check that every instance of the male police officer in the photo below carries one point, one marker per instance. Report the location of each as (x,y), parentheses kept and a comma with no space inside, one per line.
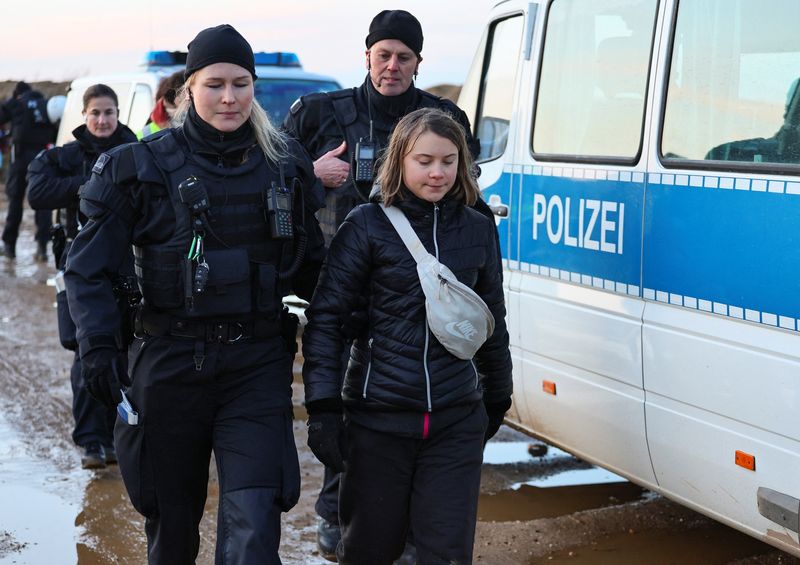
(345,132)
(31,131)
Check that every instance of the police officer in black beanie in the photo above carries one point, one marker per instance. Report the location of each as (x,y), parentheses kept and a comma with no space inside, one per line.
(220,213)
(332,126)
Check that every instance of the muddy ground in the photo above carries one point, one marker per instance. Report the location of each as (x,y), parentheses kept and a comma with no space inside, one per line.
(550,509)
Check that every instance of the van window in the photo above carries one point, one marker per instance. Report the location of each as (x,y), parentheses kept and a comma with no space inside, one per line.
(497,91)
(141,107)
(593,79)
(733,84)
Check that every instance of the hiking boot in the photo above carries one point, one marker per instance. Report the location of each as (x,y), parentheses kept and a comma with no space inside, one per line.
(328,537)
(41,253)
(111,454)
(7,250)
(94,456)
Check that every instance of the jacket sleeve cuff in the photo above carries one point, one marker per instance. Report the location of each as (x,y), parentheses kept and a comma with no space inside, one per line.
(324,405)
(91,342)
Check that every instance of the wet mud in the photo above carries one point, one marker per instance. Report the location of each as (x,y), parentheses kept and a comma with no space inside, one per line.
(533,509)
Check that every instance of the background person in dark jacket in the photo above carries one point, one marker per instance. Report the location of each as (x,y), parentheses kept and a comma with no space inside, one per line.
(54,178)
(31,131)
(416,416)
(220,211)
(330,126)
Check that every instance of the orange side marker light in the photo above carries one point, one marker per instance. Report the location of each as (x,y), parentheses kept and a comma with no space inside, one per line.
(549,387)
(745,460)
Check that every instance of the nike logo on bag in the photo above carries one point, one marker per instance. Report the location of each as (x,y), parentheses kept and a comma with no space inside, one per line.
(463,329)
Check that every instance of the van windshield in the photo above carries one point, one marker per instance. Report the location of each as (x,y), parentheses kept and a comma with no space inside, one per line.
(276,95)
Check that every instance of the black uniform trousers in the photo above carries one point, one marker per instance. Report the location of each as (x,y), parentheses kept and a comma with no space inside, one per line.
(391,482)
(94,421)
(239,404)
(15,189)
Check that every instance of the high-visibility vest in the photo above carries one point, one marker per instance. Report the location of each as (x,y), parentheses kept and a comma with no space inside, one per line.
(149,129)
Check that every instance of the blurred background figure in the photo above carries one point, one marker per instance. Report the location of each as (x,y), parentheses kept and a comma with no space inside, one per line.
(54,178)
(31,131)
(166,104)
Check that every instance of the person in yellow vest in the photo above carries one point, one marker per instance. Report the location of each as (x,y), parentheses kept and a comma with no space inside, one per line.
(166,104)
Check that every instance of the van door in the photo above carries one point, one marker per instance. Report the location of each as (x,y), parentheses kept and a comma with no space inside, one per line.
(721,263)
(580,228)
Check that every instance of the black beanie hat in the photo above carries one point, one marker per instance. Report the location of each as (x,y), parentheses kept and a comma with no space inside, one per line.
(396,24)
(20,88)
(221,44)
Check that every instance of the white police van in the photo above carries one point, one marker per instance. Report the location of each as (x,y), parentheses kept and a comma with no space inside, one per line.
(281,81)
(642,158)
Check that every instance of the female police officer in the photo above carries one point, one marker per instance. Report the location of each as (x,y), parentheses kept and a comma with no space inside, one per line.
(220,215)
(54,178)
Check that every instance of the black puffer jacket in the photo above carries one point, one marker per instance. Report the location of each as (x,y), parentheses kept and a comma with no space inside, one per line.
(397,365)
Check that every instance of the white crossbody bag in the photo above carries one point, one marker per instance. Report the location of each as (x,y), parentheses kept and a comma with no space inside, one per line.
(457,316)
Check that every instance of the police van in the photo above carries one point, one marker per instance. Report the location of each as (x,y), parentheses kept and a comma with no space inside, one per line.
(642,159)
(281,81)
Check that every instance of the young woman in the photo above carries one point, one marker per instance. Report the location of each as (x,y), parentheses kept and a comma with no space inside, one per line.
(415,416)
(220,212)
(54,178)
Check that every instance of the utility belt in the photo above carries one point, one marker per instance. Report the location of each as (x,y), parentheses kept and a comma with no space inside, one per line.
(156,324)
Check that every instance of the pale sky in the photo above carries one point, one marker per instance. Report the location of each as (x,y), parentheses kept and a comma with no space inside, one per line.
(65,39)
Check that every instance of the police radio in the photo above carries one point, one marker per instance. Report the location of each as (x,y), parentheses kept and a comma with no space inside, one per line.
(279,212)
(365,160)
(194,195)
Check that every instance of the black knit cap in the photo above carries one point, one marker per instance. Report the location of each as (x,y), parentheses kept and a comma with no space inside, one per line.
(20,88)
(220,44)
(396,24)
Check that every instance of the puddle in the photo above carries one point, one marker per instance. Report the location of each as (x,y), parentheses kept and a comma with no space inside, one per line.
(40,521)
(560,485)
(716,543)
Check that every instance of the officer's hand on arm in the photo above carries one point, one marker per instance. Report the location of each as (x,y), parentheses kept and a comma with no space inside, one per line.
(103,371)
(326,437)
(496,412)
(332,170)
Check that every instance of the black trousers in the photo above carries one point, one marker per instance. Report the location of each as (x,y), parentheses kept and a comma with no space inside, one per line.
(15,189)
(239,405)
(94,422)
(432,485)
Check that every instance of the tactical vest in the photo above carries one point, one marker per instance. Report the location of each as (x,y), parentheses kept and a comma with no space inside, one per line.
(339,201)
(35,128)
(243,261)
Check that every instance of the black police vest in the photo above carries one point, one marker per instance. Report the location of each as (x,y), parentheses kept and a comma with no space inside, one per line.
(35,128)
(243,261)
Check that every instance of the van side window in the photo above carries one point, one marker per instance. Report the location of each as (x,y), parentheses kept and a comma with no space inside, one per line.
(593,80)
(733,85)
(497,86)
(141,106)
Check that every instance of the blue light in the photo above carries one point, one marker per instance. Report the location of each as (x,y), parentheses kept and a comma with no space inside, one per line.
(277,59)
(165,58)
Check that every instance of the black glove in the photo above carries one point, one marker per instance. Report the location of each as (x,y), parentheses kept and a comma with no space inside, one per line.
(326,438)
(103,371)
(496,412)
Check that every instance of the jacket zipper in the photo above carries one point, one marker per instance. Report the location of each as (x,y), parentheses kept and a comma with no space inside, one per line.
(427,329)
(369,369)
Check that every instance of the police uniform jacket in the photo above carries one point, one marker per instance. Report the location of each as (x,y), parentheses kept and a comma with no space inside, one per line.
(56,175)
(30,125)
(321,121)
(399,375)
(132,198)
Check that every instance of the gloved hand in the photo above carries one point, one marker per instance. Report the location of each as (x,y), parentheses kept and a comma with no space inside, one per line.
(103,371)
(326,438)
(496,412)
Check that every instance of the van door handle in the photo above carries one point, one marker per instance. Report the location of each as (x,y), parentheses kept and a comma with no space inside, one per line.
(497,207)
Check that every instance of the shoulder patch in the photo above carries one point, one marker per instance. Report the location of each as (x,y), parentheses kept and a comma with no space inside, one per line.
(296,106)
(101,163)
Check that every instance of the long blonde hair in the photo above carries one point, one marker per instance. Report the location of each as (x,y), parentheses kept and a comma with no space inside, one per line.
(408,129)
(271,141)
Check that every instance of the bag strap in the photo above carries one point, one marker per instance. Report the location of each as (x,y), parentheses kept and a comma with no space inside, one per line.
(406,233)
